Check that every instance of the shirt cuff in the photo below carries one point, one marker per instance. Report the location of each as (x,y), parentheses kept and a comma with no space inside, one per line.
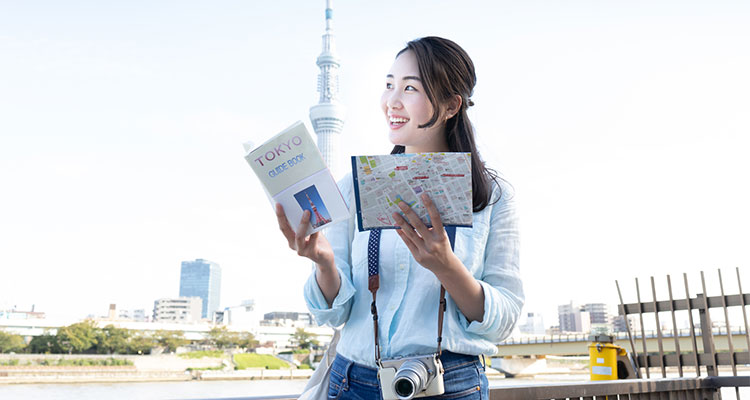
(318,306)
(490,325)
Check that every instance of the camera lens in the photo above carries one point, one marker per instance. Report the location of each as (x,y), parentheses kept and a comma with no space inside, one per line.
(410,379)
(404,388)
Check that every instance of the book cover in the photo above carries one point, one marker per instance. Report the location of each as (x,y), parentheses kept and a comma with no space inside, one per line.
(293,173)
(383,181)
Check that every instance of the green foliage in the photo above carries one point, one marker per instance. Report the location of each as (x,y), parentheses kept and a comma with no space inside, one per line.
(218,368)
(170,340)
(140,343)
(222,338)
(252,360)
(11,343)
(203,353)
(304,366)
(79,337)
(247,341)
(11,362)
(304,339)
(113,340)
(301,351)
(44,344)
(84,362)
(86,337)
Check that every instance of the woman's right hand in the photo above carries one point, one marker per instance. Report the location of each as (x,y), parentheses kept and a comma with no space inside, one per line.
(315,246)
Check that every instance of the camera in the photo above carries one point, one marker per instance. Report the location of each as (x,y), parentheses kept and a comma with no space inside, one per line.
(408,377)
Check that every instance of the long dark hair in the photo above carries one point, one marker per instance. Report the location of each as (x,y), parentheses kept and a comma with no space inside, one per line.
(446,71)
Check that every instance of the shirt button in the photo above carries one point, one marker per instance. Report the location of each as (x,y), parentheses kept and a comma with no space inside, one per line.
(401,267)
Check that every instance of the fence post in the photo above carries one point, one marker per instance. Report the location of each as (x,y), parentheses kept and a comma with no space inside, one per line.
(707,335)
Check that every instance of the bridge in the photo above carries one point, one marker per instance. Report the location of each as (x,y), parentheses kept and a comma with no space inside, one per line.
(577,343)
(192,331)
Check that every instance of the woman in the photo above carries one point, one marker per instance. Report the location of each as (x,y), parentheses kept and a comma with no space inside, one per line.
(425,101)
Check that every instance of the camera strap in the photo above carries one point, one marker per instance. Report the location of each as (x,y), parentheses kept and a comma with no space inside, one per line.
(373,284)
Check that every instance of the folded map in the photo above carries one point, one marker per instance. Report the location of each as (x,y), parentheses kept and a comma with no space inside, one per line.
(383,181)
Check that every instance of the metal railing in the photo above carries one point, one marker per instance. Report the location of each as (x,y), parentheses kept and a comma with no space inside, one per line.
(586,337)
(674,388)
(707,357)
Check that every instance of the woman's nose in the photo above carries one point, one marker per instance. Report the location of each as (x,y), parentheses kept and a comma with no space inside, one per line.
(393,100)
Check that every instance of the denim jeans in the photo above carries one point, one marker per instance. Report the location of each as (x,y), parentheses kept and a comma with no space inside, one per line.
(464,379)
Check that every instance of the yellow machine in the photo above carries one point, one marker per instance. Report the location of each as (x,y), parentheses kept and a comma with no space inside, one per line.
(604,357)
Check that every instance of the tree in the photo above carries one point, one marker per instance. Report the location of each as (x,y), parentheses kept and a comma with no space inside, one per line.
(221,337)
(10,342)
(113,340)
(247,341)
(140,343)
(44,344)
(170,340)
(304,339)
(78,337)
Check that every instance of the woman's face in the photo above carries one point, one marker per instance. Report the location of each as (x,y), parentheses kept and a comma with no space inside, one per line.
(406,106)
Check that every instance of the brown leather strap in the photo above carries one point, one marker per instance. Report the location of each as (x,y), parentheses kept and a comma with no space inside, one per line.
(441,313)
(373,283)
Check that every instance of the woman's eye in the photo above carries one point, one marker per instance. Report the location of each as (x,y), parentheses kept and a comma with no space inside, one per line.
(410,88)
(389,85)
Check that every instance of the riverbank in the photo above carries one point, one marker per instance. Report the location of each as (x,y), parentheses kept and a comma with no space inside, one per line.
(57,368)
(41,369)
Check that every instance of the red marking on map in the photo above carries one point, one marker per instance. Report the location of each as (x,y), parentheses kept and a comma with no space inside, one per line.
(453,175)
(402,168)
(421,177)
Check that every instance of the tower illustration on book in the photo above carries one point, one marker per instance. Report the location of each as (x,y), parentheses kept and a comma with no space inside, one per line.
(319,220)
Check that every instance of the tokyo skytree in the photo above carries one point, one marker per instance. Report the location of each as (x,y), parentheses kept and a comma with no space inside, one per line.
(327,116)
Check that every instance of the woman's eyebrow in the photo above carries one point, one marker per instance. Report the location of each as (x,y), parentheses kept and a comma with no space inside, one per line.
(416,78)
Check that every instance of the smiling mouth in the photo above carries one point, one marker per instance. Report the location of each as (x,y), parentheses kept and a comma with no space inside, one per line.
(397,122)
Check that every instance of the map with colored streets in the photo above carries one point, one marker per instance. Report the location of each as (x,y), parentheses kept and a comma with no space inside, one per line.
(381,182)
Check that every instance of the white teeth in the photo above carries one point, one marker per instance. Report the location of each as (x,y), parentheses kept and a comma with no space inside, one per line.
(398,120)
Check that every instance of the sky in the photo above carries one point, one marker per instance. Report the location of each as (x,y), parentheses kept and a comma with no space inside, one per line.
(624,127)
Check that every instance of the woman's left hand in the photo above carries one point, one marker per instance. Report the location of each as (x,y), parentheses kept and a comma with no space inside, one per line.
(429,246)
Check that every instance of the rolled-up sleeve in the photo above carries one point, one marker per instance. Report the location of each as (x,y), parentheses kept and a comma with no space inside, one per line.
(338,236)
(501,278)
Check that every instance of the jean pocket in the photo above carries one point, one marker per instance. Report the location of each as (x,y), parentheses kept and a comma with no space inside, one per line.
(334,385)
(463,383)
(466,394)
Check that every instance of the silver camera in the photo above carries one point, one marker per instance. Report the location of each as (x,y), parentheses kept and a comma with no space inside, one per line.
(408,377)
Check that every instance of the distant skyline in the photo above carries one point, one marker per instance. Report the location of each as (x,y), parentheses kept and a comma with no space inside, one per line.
(624,127)
(202,278)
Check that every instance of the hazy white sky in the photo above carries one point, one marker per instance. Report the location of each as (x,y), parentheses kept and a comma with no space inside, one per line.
(623,125)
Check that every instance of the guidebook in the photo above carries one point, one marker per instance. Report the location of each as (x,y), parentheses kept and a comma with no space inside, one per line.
(292,171)
(381,182)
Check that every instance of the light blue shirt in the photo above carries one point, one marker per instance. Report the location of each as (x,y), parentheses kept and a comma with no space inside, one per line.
(409,293)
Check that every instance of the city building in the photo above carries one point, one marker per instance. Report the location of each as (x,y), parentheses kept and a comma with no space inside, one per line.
(599,313)
(327,116)
(533,325)
(242,316)
(133,315)
(18,314)
(618,323)
(287,319)
(182,309)
(573,318)
(202,278)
